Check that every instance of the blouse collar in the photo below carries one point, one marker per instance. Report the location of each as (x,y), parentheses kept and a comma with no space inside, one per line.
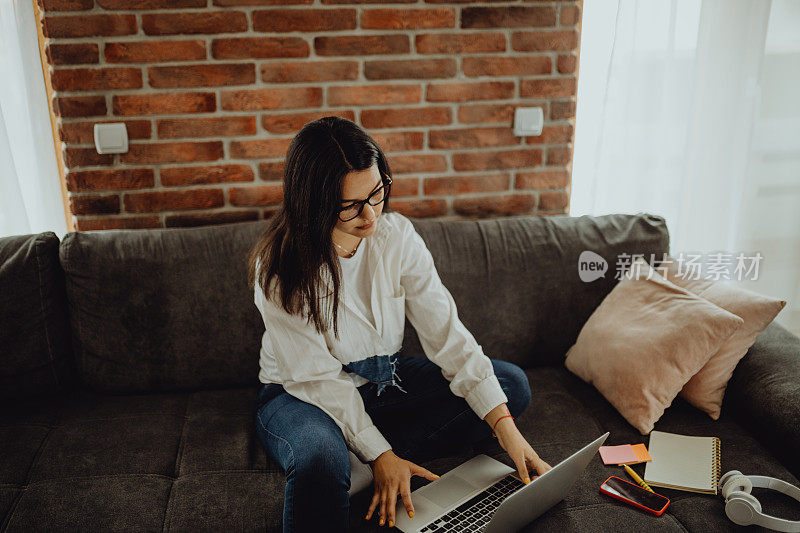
(375,246)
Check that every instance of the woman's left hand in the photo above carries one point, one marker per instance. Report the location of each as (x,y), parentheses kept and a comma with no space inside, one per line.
(519,450)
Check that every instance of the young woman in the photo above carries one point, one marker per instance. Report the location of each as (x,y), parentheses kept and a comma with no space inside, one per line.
(331,387)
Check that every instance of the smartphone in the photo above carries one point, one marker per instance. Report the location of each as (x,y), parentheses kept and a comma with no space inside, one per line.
(634,495)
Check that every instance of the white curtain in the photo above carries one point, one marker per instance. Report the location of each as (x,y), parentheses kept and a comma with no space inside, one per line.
(30,190)
(688,109)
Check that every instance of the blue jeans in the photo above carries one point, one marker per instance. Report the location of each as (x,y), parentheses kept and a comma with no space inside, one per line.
(425,422)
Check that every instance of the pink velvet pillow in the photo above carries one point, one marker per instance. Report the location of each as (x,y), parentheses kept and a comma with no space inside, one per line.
(706,388)
(645,340)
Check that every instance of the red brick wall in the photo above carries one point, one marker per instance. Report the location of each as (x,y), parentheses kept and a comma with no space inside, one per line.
(212,92)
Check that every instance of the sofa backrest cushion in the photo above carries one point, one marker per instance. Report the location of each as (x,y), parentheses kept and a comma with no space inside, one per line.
(168,309)
(164,309)
(35,347)
(515,280)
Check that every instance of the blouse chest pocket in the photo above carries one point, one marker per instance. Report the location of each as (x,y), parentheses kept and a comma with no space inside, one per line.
(397,301)
(399,295)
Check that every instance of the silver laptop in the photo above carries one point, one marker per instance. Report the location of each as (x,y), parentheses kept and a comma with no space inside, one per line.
(485,495)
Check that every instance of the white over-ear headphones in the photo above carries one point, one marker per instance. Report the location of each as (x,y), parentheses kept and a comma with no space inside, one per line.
(744,509)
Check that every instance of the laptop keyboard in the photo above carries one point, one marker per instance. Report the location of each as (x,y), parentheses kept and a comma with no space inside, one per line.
(475,513)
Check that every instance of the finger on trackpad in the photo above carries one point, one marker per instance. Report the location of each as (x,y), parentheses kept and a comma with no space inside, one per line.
(447,490)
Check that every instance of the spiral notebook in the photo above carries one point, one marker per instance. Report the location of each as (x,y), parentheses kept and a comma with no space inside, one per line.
(683,462)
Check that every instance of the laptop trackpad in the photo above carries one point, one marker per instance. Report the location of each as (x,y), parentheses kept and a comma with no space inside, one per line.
(447,490)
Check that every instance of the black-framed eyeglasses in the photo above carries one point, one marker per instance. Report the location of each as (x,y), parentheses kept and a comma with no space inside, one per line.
(378,196)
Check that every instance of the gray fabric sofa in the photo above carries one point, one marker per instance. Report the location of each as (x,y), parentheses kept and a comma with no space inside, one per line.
(130,359)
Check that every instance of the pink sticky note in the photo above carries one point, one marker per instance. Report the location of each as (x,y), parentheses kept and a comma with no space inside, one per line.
(614,455)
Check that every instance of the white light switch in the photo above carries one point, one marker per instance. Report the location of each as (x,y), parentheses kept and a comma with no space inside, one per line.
(111,138)
(528,121)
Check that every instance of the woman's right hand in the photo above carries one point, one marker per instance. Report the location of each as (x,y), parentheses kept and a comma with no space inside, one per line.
(393,475)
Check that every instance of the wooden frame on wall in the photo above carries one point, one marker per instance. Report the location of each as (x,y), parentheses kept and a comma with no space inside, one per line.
(57,145)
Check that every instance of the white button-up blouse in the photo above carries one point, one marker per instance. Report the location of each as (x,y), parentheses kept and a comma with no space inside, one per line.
(404,283)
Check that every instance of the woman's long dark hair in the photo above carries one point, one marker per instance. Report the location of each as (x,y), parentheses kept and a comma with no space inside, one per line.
(297,244)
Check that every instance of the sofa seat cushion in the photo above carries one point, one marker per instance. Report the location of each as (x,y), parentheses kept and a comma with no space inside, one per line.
(565,414)
(181,461)
(192,461)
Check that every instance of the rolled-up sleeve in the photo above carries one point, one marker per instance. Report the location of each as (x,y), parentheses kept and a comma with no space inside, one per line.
(311,373)
(445,340)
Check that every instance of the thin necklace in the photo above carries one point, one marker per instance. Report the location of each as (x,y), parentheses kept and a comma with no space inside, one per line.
(347,251)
